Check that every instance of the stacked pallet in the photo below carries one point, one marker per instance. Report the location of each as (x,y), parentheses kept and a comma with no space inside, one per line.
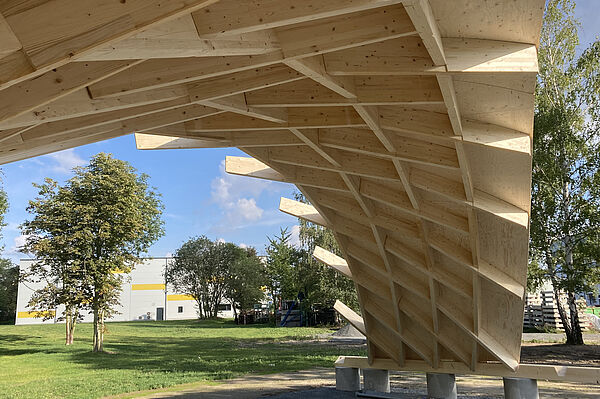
(541,311)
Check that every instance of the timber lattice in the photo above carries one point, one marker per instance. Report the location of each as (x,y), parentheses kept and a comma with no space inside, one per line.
(407,123)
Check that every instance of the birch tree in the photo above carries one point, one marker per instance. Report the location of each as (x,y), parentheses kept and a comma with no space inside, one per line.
(565,212)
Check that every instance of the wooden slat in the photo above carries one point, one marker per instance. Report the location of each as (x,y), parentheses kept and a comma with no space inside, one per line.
(9,43)
(350,316)
(257,15)
(407,124)
(53,85)
(332,260)
(314,68)
(340,32)
(55,33)
(424,21)
(240,82)
(176,71)
(473,55)
(302,211)
(179,38)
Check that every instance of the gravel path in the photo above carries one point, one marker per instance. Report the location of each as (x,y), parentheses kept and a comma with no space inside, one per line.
(545,337)
(320,384)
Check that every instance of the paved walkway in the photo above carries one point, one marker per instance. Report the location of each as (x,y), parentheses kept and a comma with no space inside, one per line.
(320,384)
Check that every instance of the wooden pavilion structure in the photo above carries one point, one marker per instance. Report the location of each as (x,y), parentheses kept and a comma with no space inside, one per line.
(407,123)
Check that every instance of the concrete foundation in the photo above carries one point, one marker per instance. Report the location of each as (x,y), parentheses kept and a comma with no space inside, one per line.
(347,379)
(441,386)
(520,388)
(376,380)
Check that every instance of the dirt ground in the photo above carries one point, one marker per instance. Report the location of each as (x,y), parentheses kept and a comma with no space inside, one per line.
(585,356)
(549,350)
(320,383)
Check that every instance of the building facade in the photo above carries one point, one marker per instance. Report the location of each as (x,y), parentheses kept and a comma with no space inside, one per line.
(145,296)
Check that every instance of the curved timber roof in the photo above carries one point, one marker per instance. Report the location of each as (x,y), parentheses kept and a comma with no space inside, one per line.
(407,124)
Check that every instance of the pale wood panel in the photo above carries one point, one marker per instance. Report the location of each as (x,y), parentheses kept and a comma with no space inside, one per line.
(54,33)
(489,19)
(407,124)
(255,15)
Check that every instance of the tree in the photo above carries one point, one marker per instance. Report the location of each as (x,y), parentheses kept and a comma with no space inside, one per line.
(9,274)
(283,262)
(3,207)
(198,271)
(9,282)
(292,270)
(102,220)
(246,279)
(329,285)
(565,209)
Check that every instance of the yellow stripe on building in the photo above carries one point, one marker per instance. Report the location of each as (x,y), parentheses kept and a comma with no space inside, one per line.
(179,297)
(147,287)
(34,314)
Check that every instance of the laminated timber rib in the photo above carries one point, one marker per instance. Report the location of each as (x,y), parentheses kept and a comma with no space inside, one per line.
(406,123)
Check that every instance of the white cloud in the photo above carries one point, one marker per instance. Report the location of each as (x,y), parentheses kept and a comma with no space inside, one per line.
(248,210)
(236,196)
(66,160)
(173,216)
(12,227)
(243,245)
(295,236)
(227,188)
(21,240)
(221,240)
(14,251)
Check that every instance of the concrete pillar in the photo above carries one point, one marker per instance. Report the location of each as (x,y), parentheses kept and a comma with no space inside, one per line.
(441,386)
(376,380)
(347,379)
(520,388)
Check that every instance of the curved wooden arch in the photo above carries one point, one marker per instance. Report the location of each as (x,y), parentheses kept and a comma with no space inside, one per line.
(407,123)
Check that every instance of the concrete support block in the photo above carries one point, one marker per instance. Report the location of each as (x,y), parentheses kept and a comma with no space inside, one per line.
(441,386)
(347,379)
(376,380)
(520,388)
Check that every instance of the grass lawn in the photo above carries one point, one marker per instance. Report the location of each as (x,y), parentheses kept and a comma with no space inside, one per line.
(34,362)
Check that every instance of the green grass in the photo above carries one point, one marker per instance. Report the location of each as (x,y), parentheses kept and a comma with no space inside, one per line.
(593,310)
(34,362)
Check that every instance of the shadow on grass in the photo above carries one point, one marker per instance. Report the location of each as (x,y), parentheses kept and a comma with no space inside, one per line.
(212,358)
(219,323)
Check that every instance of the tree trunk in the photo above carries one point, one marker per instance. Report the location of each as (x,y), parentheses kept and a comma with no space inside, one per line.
(561,312)
(98,330)
(68,331)
(576,334)
(70,320)
(72,331)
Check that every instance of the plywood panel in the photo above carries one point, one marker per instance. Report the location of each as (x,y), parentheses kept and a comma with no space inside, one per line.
(407,124)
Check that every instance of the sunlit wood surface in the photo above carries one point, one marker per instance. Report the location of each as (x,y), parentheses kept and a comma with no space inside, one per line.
(406,123)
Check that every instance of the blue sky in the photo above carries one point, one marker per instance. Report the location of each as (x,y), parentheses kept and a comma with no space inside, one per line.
(199,197)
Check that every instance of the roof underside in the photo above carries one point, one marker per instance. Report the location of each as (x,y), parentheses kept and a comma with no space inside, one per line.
(406,123)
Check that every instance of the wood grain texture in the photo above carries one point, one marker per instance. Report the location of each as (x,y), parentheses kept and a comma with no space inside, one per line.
(407,124)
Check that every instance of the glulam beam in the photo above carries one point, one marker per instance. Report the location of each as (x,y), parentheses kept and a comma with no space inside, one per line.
(332,260)
(302,211)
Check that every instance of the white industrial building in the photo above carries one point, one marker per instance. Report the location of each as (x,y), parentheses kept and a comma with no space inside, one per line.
(145,296)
